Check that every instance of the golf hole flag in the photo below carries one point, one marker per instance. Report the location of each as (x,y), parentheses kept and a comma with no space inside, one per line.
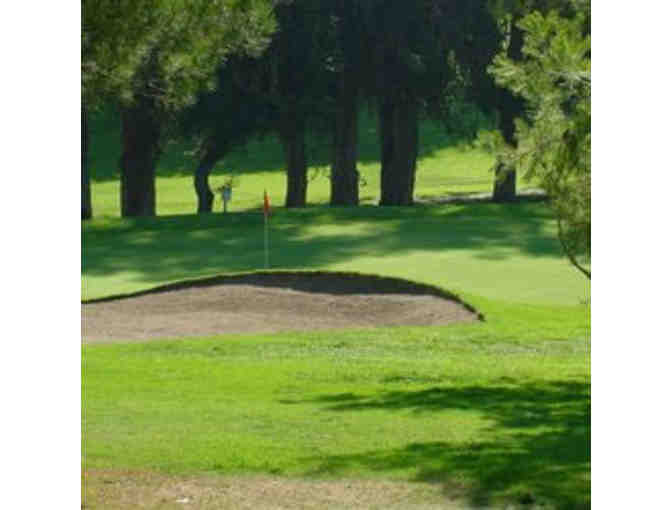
(267,213)
(267,205)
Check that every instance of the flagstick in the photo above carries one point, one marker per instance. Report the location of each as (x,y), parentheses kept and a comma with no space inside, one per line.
(266,239)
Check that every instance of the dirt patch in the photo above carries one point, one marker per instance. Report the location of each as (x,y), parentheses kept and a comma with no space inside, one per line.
(268,303)
(117,490)
(522,196)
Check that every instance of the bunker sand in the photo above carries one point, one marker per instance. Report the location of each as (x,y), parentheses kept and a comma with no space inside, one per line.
(270,303)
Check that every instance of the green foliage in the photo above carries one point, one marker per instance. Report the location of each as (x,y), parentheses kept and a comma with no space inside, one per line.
(167,49)
(259,95)
(196,41)
(116,36)
(226,117)
(425,51)
(554,140)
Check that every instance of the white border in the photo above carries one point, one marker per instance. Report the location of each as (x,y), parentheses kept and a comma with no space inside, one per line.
(40,373)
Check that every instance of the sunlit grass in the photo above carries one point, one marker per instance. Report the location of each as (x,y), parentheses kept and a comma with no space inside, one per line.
(446,166)
(492,411)
(503,410)
(505,253)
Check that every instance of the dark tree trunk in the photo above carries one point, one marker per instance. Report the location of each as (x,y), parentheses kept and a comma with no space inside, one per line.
(86,179)
(505,184)
(293,141)
(204,194)
(141,135)
(398,126)
(344,175)
(510,107)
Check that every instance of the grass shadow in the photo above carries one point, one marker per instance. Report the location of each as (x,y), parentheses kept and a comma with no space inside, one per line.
(191,246)
(536,451)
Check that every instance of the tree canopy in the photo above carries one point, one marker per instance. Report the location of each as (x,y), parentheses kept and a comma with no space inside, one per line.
(184,40)
(228,69)
(554,140)
(151,58)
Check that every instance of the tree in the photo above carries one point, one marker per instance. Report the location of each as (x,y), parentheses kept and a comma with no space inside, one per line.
(223,119)
(285,91)
(87,211)
(507,105)
(296,85)
(347,66)
(553,144)
(196,39)
(150,57)
(417,50)
(116,35)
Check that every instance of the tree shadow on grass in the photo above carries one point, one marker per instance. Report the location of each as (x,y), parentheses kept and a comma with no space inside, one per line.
(537,450)
(172,248)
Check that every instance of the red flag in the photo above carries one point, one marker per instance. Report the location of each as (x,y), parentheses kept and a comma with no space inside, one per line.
(267,205)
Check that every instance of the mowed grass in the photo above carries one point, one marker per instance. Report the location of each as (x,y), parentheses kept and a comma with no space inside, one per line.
(498,252)
(490,412)
(446,166)
(493,413)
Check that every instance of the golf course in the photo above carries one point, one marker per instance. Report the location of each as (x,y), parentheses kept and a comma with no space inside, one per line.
(486,413)
(335,255)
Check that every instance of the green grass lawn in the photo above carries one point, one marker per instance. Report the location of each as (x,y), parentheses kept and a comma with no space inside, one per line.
(498,252)
(446,166)
(492,412)
(487,411)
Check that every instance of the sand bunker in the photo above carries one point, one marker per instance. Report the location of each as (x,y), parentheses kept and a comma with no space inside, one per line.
(268,303)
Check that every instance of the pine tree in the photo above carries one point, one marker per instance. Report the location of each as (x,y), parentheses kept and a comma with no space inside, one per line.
(151,58)
(416,51)
(553,143)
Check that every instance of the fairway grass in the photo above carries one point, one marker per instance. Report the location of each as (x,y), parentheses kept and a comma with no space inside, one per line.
(505,253)
(490,413)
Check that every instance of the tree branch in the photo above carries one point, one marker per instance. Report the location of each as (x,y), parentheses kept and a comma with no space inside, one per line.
(569,253)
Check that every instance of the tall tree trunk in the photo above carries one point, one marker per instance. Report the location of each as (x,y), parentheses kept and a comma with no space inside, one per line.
(293,141)
(510,107)
(344,175)
(141,136)
(204,194)
(398,126)
(86,179)
(505,184)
